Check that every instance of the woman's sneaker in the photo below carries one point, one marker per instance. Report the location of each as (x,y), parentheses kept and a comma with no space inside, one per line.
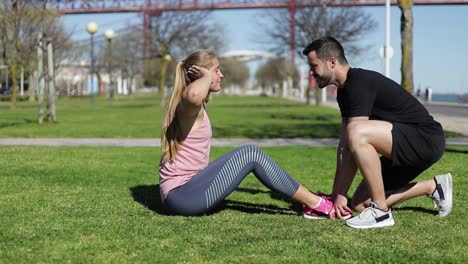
(310,213)
(322,211)
(372,217)
(442,195)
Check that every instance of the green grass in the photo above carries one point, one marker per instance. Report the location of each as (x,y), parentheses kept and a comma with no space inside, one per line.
(101,205)
(140,116)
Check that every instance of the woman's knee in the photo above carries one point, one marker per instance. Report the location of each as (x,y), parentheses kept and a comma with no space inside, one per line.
(251,148)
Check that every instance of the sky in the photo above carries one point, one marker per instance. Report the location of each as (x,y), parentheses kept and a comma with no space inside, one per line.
(440,41)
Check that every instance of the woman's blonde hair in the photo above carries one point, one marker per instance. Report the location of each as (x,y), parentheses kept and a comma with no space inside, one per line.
(171,134)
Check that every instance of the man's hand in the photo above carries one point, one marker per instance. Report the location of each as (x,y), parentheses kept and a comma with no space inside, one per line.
(341,208)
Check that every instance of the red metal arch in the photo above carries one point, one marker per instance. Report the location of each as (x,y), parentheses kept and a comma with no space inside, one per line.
(118,6)
(153,7)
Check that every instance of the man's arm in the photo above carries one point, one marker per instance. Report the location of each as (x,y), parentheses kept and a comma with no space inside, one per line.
(346,169)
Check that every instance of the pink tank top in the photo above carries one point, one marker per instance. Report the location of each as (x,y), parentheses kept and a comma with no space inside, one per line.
(192,157)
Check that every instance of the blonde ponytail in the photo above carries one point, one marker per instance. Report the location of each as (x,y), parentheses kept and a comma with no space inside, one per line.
(171,136)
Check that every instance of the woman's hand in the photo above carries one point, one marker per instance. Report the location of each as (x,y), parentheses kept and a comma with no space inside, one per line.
(195,73)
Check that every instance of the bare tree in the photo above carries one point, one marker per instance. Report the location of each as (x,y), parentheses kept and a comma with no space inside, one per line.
(178,33)
(406,28)
(20,22)
(347,24)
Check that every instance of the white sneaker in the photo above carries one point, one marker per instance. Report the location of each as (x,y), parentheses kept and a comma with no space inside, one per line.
(442,195)
(372,217)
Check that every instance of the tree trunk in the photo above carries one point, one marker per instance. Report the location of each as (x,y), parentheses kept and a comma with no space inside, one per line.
(318,95)
(40,76)
(162,81)
(406,44)
(14,94)
(32,86)
(51,115)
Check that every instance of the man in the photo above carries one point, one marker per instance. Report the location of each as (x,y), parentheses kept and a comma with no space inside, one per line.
(386,133)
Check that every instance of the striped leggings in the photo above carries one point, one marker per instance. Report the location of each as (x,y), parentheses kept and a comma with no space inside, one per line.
(221,177)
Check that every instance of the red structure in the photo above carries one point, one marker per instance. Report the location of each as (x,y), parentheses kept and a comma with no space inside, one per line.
(154,7)
(149,6)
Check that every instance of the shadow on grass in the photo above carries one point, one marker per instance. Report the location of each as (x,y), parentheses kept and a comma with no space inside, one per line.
(279,131)
(17,123)
(253,208)
(415,209)
(460,151)
(134,106)
(148,196)
(256,106)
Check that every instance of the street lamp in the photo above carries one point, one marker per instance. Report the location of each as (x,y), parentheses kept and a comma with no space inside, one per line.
(92,28)
(83,79)
(109,35)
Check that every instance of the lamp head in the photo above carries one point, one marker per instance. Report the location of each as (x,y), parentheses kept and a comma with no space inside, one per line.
(92,27)
(109,34)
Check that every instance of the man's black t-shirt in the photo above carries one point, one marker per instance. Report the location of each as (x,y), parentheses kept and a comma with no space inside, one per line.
(368,93)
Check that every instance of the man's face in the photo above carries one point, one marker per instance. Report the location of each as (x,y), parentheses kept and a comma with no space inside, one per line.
(320,70)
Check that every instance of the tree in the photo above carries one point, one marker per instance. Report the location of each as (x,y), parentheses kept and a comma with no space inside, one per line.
(20,23)
(178,33)
(347,24)
(274,72)
(127,56)
(406,29)
(236,72)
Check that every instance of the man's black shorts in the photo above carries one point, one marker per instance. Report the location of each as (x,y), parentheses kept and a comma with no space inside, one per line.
(415,148)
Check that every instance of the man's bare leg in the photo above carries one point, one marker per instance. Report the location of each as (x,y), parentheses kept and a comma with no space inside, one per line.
(361,197)
(368,138)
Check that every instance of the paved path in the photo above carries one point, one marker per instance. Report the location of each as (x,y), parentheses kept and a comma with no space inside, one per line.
(155,142)
(452,116)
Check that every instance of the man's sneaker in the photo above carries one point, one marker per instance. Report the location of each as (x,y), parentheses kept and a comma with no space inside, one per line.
(320,212)
(372,217)
(442,195)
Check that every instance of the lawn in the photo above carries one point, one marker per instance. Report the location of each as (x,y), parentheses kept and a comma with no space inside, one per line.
(140,117)
(101,205)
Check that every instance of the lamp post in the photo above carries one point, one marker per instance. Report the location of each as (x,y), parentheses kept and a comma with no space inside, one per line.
(83,78)
(92,28)
(388,49)
(109,35)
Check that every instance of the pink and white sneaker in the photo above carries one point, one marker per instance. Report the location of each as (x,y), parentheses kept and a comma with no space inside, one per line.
(320,212)
(323,210)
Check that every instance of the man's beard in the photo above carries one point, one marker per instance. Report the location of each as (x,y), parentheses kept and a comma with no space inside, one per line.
(323,81)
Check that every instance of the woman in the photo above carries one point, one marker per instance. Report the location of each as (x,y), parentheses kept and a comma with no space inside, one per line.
(188,184)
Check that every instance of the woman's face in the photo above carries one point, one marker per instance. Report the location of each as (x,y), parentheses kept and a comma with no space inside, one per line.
(217,76)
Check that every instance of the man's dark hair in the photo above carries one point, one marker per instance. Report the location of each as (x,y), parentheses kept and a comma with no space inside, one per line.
(326,48)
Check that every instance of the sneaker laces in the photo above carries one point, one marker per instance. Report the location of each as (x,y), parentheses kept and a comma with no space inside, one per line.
(368,211)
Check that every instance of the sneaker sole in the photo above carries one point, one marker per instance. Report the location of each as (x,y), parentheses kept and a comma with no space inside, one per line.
(449,195)
(306,216)
(376,225)
(323,217)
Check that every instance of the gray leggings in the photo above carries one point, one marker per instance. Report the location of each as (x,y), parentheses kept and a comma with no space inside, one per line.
(221,177)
